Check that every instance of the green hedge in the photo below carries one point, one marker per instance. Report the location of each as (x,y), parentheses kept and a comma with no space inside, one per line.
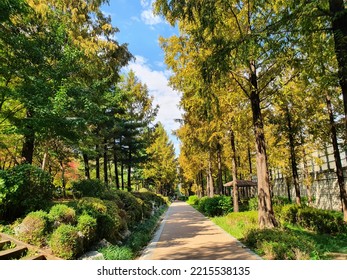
(318,220)
(23,189)
(279,244)
(215,206)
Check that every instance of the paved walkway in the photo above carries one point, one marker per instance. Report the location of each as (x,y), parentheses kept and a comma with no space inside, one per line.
(185,234)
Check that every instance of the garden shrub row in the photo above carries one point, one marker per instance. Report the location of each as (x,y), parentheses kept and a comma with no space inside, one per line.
(317,220)
(71,228)
(217,205)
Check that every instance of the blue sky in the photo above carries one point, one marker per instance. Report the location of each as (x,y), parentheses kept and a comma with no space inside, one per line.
(140,29)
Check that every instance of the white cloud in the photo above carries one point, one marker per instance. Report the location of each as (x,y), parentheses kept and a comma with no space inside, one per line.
(149,18)
(167,98)
(145,3)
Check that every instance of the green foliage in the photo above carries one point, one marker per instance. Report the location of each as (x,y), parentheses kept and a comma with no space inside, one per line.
(117,253)
(253,203)
(318,220)
(93,188)
(321,221)
(238,223)
(278,244)
(65,242)
(287,213)
(88,226)
(34,228)
(92,206)
(61,213)
(215,206)
(24,188)
(132,206)
(193,200)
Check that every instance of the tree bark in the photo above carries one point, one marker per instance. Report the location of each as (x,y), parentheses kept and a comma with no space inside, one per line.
(105,163)
(234,172)
(86,166)
(294,165)
(97,162)
(29,141)
(129,170)
(339,170)
(122,174)
(115,162)
(220,171)
(266,215)
(210,177)
(339,25)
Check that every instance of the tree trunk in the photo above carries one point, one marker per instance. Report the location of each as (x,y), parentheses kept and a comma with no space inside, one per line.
(97,162)
(29,141)
(220,171)
(307,181)
(293,157)
(105,163)
(234,172)
(339,170)
(45,159)
(122,174)
(86,166)
(129,170)
(266,215)
(63,182)
(339,25)
(250,162)
(288,188)
(115,162)
(210,187)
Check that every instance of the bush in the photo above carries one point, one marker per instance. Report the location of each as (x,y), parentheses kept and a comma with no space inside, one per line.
(106,214)
(92,206)
(288,213)
(33,228)
(87,225)
(23,189)
(65,242)
(94,188)
(277,244)
(193,200)
(321,221)
(253,204)
(62,214)
(215,206)
(132,206)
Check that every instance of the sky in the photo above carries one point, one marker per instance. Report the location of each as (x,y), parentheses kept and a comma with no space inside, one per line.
(140,29)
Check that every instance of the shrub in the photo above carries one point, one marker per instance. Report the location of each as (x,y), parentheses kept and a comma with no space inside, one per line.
(321,221)
(215,206)
(288,214)
(94,188)
(62,214)
(253,204)
(87,225)
(91,205)
(193,200)
(132,206)
(65,242)
(23,189)
(277,244)
(33,228)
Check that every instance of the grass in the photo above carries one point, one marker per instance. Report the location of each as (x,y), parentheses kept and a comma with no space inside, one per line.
(288,242)
(137,240)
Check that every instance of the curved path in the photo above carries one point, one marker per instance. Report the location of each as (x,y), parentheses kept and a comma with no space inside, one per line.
(185,234)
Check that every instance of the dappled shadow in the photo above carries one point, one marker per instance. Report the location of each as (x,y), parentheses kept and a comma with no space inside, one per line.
(187,234)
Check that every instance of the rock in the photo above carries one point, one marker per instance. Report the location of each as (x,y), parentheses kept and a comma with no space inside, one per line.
(92,255)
